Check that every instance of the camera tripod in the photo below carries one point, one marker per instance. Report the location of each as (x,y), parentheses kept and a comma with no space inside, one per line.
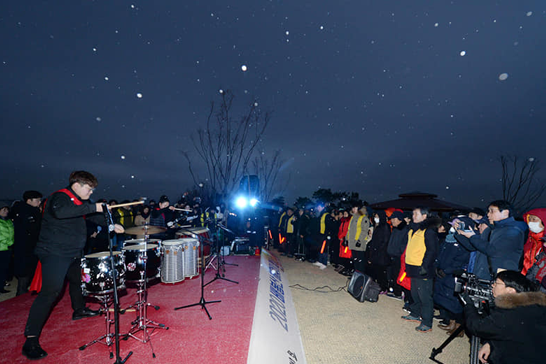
(474,346)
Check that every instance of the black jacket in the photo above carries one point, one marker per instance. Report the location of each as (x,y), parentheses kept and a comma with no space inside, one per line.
(398,240)
(515,329)
(64,231)
(426,269)
(377,247)
(26,222)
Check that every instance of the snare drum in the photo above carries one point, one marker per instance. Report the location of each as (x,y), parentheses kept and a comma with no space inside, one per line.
(96,273)
(203,234)
(172,261)
(134,261)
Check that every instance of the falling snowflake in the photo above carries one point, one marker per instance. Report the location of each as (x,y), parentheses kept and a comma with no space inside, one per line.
(139,95)
(531,159)
(436,25)
(98,118)
(244,68)
(221,91)
(106,78)
(463,53)
(529,13)
(503,76)
(122,157)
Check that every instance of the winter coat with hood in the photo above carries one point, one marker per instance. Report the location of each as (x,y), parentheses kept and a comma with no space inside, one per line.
(377,247)
(533,246)
(515,329)
(422,248)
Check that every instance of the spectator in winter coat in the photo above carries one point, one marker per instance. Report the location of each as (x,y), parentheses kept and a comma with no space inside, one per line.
(502,243)
(6,241)
(535,220)
(395,248)
(421,252)
(452,258)
(26,222)
(359,234)
(516,328)
(537,272)
(378,258)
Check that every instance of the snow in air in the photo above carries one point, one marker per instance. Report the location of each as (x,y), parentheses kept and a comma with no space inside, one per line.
(531,159)
(139,95)
(106,78)
(98,118)
(122,157)
(436,25)
(463,53)
(244,68)
(503,76)
(321,27)
(529,13)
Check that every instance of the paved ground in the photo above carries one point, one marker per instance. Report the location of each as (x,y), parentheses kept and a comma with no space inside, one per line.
(338,329)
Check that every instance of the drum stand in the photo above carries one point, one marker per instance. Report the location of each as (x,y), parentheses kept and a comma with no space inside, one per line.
(202,302)
(108,338)
(142,322)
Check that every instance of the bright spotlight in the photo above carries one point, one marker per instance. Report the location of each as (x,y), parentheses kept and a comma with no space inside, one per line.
(253,202)
(241,202)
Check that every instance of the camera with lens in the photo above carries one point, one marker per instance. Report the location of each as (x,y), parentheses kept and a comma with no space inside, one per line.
(479,290)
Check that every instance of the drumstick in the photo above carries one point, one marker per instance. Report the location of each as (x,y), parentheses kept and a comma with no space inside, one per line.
(181,209)
(127,204)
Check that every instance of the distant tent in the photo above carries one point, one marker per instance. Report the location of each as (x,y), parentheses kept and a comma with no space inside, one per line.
(409,201)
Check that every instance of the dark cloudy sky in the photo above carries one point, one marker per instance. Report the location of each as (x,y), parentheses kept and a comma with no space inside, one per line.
(377,97)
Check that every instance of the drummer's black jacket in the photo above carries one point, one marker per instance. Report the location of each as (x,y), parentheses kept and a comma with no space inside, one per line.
(64,231)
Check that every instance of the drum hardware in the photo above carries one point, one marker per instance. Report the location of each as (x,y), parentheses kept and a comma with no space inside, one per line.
(142,322)
(221,261)
(110,224)
(202,302)
(108,338)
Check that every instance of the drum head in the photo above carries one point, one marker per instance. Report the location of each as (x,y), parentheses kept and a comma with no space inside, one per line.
(198,230)
(101,254)
(140,247)
(173,242)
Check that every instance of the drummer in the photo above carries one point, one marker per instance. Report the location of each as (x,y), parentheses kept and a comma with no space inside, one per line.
(60,247)
(162,216)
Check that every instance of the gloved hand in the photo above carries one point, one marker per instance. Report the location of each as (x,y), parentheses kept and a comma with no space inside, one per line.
(440,273)
(422,271)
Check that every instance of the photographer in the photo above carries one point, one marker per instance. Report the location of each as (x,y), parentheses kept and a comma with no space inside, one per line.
(516,327)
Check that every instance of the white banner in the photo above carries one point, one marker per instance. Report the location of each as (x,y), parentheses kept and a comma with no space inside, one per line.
(275,337)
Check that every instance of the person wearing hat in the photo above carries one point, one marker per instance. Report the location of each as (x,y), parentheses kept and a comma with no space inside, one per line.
(476,214)
(395,248)
(27,220)
(6,241)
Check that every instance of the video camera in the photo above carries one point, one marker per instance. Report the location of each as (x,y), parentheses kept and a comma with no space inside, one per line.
(479,290)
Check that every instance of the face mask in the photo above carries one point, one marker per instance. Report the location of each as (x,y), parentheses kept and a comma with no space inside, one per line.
(376,219)
(452,230)
(535,227)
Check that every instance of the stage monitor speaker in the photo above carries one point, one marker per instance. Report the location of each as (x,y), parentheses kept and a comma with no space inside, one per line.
(363,288)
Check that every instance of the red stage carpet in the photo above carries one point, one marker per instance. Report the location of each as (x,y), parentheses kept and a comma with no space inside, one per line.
(191,338)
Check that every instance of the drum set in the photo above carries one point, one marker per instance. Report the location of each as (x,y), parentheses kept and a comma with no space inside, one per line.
(139,262)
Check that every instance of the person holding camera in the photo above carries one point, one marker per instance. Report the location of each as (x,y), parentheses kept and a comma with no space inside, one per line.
(498,247)
(516,327)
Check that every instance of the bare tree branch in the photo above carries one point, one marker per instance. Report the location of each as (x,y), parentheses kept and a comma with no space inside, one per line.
(520,184)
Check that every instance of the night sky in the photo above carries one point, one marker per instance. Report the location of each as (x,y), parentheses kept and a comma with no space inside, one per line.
(377,97)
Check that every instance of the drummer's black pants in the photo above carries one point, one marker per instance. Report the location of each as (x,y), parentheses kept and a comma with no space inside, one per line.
(54,271)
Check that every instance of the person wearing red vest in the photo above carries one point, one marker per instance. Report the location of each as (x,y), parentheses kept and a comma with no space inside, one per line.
(60,247)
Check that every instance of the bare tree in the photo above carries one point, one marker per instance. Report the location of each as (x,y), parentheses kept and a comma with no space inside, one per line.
(520,183)
(225,145)
(267,169)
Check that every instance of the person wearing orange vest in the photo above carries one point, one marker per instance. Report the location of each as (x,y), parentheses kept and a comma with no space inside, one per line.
(60,247)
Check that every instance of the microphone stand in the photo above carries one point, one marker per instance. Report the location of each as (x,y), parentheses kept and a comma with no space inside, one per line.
(202,302)
(110,224)
(221,262)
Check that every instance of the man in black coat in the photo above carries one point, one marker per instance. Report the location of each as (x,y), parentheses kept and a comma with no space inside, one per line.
(60,248)
(395,248)
(516,328)
(26,223)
